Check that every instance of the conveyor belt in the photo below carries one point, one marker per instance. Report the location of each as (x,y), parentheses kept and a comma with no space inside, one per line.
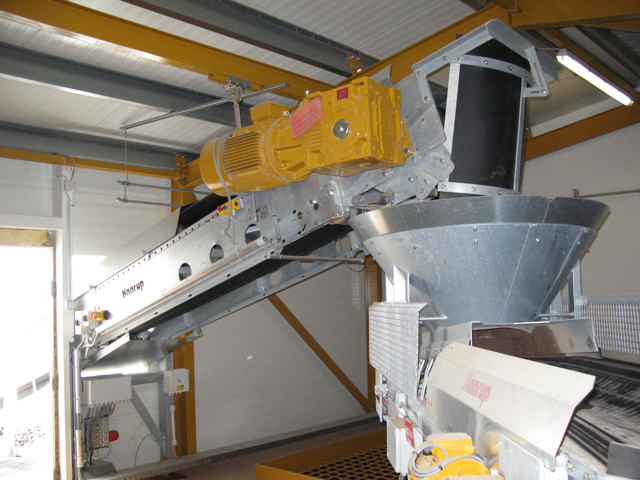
(302,246)
(611,412)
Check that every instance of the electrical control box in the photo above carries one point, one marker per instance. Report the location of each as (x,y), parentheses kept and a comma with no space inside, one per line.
(176,381)
(107,390)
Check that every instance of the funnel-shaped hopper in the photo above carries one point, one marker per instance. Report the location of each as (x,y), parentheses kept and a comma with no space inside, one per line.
(489,259)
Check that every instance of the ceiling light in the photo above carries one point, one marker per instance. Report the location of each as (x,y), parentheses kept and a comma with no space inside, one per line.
(578,68)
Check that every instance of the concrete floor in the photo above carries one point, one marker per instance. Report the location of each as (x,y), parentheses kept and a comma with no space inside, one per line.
(243,467)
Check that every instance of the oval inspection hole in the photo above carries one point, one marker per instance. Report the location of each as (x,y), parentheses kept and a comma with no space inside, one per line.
(216,253)
(251,233)
(184,271)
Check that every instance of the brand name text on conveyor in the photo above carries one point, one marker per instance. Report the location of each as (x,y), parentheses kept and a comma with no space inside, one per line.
(132,289)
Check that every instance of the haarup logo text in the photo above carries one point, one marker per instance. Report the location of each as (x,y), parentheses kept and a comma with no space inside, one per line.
(134,288)
(477,389)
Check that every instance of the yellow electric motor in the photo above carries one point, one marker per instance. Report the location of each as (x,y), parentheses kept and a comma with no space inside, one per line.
(446,456)
(340,132)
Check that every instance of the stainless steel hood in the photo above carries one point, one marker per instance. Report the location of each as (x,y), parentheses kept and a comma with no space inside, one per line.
(494,259)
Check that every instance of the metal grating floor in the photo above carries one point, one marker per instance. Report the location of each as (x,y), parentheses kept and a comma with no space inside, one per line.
(371,463)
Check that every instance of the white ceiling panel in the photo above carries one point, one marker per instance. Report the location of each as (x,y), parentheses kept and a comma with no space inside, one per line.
(58,109)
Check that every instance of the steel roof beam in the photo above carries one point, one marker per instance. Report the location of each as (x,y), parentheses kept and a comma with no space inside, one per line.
(591,127)
(70,18)
(252,26)
(56,142)
(539,14)
(31,65)
(519,14)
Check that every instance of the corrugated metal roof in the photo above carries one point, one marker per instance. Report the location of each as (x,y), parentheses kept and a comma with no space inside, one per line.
(60,109)
(376,27)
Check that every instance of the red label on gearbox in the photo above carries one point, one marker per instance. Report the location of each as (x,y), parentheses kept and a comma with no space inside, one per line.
(409,433)
(306,117)
(342,93)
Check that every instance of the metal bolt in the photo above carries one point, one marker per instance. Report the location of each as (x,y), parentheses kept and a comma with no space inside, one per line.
(411,179)
(307,92)
(475,241)
(341,129)
(486,62)
(407,151)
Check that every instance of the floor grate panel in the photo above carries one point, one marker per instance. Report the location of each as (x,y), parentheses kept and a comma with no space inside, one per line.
(371,463)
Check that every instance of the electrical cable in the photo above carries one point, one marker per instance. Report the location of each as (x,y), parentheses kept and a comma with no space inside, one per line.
(135,458)
(418,472)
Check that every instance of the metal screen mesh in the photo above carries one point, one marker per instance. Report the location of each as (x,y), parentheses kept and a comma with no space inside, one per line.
(616,321)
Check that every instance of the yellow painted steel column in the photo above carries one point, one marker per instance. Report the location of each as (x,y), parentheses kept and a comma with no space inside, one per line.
(70,18)
(184,356)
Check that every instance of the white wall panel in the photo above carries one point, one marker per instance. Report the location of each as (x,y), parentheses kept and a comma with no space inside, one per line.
(26,188)
(603,164)
(100,224)
(255,377)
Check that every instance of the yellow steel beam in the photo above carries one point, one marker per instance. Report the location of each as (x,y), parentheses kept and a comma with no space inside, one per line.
(519,14)
(85,163)
(217,64)
(536,14)
(580,131)
(318,350)
(626,25)
(190,176)
(563,41)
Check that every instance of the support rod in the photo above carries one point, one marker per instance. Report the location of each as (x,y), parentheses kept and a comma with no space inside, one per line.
(202,106)
(127,183)
(318,350)
(311,258)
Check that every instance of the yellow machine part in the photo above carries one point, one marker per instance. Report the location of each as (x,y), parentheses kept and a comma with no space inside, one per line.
(457,466)
(340,132)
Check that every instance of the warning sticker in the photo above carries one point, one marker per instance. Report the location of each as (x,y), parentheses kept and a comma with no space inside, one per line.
(409,433)
(306,117)
(342,93)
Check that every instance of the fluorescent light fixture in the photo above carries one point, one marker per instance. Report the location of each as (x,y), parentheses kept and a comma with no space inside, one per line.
(578,68)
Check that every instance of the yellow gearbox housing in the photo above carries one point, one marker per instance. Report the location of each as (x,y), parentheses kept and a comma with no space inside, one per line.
(340,132)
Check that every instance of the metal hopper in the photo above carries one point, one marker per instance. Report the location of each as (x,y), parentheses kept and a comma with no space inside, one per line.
(497,259)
